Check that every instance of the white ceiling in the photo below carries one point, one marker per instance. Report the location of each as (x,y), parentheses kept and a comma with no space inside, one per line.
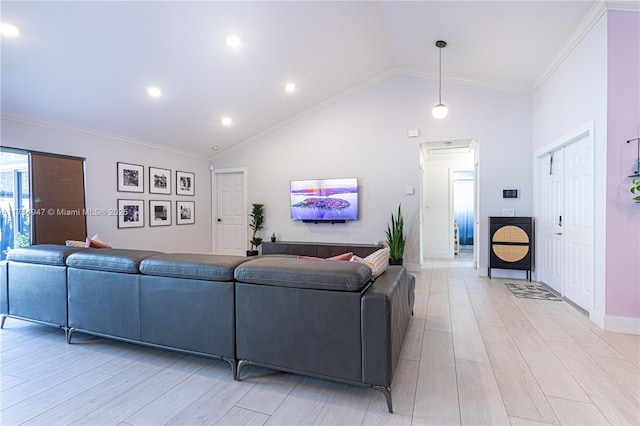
(89,63)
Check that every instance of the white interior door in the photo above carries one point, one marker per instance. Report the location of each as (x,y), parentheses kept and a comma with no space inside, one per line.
(578,227)
(438,211)
(231,211)
(552,179)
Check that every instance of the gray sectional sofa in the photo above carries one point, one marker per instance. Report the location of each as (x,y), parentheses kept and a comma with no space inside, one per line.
(323,318)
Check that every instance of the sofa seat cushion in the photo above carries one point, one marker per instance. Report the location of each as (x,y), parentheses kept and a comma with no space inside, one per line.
(44,254)
(110,260)
(192,266)
(304,273)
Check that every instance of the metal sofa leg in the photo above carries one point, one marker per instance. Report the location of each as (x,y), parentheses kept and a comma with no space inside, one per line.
(69,332)
(387,394)
(4,317)
(66,332)
(241,364)
(234,367)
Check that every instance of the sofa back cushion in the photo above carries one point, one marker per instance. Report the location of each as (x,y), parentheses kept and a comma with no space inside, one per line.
(209,267)
(44,254)
(109,260)
(304,273)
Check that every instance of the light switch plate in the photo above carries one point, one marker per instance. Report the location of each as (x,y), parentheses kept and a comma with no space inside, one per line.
(508,212)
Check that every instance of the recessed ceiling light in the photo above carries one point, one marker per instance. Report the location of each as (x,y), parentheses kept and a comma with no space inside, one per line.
(233,41)
(154,91)
(227,121)
(215,148)
(9,30)
(290,87)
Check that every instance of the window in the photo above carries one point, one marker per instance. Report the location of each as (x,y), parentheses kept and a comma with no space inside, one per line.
(15,202)
(42,199)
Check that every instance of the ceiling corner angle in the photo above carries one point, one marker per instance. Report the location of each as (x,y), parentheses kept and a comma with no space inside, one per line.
(358,87)
(623,5)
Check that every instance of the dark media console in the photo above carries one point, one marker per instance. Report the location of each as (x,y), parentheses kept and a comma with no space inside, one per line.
(317,249)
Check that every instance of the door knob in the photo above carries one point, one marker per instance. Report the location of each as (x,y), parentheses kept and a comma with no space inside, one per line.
(219,220)
(558,233)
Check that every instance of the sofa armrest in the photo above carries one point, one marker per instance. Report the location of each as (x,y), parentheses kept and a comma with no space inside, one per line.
(386,309)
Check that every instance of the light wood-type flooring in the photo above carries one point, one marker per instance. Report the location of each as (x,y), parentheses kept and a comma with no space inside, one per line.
(474,354)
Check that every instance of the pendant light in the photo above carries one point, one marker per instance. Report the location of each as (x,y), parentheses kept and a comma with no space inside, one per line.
(440,111)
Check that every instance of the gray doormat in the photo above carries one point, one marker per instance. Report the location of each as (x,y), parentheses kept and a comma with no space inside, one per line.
(532,291)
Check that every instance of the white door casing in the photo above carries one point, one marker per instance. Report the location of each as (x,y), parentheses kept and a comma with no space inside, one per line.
(230,214)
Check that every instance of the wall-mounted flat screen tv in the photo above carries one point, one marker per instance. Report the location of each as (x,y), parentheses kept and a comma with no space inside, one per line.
(324,200)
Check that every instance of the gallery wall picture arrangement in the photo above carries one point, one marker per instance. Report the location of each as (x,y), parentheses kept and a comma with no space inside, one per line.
(130,177)
(159,213)
(185,183)
(130,213)
(159,181)
(185,212)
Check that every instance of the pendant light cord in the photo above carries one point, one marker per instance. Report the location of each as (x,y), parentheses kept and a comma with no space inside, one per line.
(440,78)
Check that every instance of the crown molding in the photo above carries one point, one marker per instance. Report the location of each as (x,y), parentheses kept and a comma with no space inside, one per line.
(94,134)
(466,81)
(590,19)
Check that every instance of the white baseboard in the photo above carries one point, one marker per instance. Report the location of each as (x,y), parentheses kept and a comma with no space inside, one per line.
(622,324)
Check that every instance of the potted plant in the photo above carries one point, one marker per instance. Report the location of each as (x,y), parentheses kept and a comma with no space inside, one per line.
(635,188)
(396,238)
(256,224)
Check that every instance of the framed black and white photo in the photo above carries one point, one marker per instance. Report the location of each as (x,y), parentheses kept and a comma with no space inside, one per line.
(159,181)
(185,183)
(130,178)
(159,212)
(185,212)
(130,213)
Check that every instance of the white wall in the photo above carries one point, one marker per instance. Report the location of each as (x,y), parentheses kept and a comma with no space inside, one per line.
(363,135)
(575,94)
(101,154)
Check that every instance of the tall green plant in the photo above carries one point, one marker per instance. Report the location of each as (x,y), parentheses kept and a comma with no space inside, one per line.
(635,188)
(257,223)
(395,235)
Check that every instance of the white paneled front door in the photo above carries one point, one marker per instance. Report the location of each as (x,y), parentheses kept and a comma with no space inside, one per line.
(567,216)
(578,229)
(551,218)
(231,214)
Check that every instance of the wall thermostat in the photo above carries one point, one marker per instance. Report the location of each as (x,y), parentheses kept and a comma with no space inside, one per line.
(509,193)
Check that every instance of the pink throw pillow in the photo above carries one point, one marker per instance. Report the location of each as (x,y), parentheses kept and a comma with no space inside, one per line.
(343,256)
(96,244)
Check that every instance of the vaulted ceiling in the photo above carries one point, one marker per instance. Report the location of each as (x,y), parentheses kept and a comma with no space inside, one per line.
(89,64)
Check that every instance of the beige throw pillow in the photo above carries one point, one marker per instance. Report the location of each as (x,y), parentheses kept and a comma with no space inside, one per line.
(377,261)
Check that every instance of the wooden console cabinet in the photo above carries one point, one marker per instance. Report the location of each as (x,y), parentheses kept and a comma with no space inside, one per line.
(511,244)
(317,249)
